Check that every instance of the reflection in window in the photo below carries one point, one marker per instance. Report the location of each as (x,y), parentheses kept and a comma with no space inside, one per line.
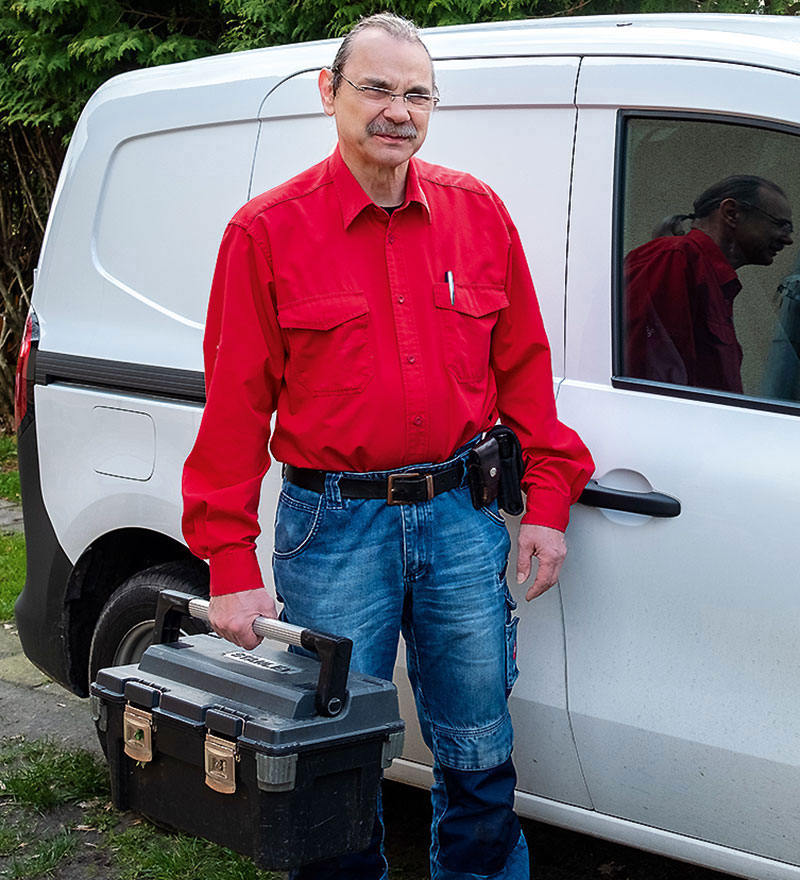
(705,302)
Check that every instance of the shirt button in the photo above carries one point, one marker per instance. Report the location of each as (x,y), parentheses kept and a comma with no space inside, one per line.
(411,358)
(418,420)
(391,238)
(401,299)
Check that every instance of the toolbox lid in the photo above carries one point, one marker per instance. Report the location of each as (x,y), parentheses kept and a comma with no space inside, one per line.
(266,695)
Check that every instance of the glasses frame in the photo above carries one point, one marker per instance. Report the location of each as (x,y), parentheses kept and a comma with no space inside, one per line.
(370,91)
(785,225)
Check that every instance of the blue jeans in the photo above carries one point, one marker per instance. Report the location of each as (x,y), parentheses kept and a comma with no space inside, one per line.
(435,571)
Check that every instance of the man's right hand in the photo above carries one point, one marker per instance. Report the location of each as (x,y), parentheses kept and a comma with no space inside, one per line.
(232,615)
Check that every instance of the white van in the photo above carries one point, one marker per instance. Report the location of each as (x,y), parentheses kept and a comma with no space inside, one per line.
(658,701)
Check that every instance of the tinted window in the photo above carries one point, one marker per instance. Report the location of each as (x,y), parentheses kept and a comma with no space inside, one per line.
(709,272)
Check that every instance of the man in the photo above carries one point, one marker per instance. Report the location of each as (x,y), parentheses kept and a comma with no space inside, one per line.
(679,289)
(382,307)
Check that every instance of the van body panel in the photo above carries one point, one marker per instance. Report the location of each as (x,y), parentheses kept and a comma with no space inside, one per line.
(134,272)
(83,503)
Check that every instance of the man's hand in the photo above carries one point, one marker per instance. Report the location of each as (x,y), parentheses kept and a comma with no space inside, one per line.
(232,615)
(549,547)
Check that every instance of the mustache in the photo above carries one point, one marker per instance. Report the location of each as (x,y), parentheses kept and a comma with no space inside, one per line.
(383,126)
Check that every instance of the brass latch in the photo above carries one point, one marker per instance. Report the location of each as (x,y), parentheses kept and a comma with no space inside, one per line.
(221,761)
(137,734)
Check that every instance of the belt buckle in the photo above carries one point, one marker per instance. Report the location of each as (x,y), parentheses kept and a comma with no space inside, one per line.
(393,478)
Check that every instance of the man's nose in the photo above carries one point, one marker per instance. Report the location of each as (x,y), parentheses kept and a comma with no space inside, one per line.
(397,110)
(787,237)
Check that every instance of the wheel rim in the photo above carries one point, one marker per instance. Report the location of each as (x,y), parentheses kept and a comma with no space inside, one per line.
(132,645)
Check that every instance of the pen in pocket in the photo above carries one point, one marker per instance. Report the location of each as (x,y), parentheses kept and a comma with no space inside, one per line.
(448,277)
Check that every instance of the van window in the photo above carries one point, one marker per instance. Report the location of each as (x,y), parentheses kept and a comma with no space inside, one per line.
(708,274)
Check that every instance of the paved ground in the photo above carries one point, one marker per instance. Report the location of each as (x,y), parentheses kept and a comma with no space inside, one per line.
(10,516)
(32,705)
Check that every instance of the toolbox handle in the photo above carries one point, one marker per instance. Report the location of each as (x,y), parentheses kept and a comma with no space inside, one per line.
(333,651)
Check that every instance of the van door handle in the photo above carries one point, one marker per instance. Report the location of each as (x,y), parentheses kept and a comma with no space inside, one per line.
(646,503)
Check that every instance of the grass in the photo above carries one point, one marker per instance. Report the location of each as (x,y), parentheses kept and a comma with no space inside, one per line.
(12,547)
(42,776)
(12,572)
(9,473)
(56,818)
(144,852)
(45,857)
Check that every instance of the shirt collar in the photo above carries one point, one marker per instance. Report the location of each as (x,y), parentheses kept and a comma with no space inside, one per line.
(352,197)
(726,275)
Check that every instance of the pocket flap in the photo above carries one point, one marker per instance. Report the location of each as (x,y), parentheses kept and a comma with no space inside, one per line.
(323,312)
(476,300)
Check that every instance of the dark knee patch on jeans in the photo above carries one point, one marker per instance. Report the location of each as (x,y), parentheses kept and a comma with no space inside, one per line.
(479,828)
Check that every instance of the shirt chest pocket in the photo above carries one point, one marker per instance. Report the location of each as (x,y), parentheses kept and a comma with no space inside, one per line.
(467,320)
(329,343)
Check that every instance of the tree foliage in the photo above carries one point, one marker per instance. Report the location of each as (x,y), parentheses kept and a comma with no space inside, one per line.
(55,53)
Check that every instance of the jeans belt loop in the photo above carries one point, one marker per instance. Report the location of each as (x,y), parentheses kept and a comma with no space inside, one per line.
(333,495)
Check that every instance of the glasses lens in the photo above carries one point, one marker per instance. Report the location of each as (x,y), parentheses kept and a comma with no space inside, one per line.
(420,102)
(375,95)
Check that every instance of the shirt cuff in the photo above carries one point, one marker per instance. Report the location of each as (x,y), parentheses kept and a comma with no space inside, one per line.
(546,507)
(234,571)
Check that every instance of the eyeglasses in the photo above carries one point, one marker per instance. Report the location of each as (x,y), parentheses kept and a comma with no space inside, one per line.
(785,225)
(384,97)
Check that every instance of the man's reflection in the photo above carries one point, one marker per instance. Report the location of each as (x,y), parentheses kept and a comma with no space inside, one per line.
(679,289)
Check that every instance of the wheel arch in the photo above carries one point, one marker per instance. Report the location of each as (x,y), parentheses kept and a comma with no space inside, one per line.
(101,568)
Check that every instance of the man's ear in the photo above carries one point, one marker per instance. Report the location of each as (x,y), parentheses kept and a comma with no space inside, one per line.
(729,212)
(325,83)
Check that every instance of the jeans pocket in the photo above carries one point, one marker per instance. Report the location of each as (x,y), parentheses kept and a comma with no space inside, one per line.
(492,512)
(512,623)
(296,524)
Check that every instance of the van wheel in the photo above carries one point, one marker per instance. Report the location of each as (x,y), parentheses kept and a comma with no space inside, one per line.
(125,626)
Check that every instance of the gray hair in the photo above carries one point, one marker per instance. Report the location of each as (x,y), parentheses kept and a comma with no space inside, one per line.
(394,25)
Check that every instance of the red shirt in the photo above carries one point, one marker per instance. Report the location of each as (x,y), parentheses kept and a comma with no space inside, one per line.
(337,316)
(679,293)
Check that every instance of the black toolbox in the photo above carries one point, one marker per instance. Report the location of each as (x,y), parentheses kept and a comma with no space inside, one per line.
(273,754)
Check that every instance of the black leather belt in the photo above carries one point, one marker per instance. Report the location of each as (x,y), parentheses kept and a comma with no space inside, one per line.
(406,487)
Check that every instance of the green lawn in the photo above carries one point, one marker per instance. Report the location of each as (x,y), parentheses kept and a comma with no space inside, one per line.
(9,475)
(12,572)
(12,547)
(55,818)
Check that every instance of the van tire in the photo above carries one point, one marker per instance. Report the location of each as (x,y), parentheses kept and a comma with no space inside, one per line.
(124,627)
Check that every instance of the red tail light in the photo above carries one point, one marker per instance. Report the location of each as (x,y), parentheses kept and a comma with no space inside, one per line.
(21,381)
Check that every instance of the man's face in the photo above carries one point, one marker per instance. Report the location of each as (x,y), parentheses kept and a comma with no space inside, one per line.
(379,136)
(762,230)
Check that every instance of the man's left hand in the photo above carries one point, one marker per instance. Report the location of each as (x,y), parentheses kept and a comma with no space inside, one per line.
(549,547)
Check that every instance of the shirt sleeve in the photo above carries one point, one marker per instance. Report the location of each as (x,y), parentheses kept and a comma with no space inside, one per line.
(557,463)
(244,358)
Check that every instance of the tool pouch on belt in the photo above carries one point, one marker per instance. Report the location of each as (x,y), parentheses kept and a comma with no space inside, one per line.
(494,467)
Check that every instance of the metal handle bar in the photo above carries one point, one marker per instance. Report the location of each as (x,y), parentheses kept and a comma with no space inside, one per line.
(268,627)
(333,651)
